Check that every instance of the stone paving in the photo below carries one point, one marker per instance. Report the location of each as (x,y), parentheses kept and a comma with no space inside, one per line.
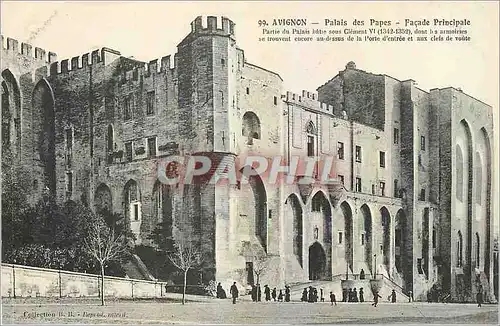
(244,312)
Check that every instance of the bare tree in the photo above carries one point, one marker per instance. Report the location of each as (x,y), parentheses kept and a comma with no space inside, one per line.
(260,264)
(104,245)
(185,256)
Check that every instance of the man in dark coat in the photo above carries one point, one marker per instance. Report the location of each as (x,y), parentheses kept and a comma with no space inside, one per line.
(219,291)
(234,292)
(344,295)
(304,295)
(254,293)
(267,292)
(311,295)
(332,298)
(361,295)
(354,295)
(479,297)
(349,296)
(273,294)
(393,296)
(362,274)
(375,298)
(287,293)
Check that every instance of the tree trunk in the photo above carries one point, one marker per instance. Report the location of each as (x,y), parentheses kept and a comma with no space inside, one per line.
(102,284)
(258,276)
(184,288)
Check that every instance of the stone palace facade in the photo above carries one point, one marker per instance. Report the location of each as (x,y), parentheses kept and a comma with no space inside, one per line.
(414,197)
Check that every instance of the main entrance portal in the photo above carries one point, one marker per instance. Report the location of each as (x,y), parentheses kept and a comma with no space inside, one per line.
(317,262)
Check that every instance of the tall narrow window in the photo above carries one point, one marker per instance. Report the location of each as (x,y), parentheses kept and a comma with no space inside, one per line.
(248,90)
(128,151)
(358,184)
(362,239)
(382,188)
(275,100)
(152,147)
(422,143)
(310,146)
(396,136)
(311,132)
(459,249)
(373,190)
(422,195)
(110,140)
(150,104)
(136,212)
(69,147)
(358,154)
(478,251)
(396,189)
(459,165)
(340,237)
(127,108)
(382,159)
(434,237)
(340,150)
(69,184)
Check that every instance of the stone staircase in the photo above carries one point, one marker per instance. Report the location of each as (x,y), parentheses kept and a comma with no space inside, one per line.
(335,286)
(136,269)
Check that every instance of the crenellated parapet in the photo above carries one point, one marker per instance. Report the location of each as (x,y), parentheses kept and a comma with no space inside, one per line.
(213,24)
(309,100)
(11,46)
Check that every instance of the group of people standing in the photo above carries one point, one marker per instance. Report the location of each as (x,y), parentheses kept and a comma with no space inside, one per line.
(256,294)
(308,295)
(351,295)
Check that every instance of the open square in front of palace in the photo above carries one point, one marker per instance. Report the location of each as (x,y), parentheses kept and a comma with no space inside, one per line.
(245,312)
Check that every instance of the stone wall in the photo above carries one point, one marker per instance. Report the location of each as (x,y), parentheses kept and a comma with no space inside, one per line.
(40,282)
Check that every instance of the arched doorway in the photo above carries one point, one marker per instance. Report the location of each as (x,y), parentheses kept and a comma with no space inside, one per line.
(317,262)
(321,206)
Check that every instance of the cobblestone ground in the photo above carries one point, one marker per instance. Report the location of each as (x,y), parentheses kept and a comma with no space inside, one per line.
(244,312)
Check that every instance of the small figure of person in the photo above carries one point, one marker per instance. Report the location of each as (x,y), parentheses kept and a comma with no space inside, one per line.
(287,293)
(304,295)
(315,294)
(273,294)
(267,292)
(280,296)
(322,299)
(361,295)
(332,298)
(219,291)
(393,296)
(349,295)
(344,295)
(254,293)
(362,274)
(259,293)
(354,295)
(410,295)
(310,295)
(234,292)
(479,297)
(375,298)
